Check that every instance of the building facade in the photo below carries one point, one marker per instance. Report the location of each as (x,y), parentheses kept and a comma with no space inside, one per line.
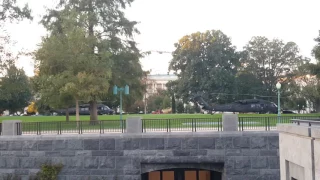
(158,81)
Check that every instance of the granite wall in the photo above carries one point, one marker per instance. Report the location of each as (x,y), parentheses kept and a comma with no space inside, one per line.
(237,155)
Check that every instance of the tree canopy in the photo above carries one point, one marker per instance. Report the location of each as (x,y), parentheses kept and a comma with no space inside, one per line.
(89,45)
(205,62)
(15,90)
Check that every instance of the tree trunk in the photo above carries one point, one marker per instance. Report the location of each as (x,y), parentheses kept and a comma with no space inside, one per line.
(93,112)
(173,104)
(67,114)
(317,106)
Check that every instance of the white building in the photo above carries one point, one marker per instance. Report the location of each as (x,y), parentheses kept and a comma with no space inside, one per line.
(158,81)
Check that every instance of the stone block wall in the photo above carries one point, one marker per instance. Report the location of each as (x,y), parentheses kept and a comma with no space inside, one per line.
(238,155)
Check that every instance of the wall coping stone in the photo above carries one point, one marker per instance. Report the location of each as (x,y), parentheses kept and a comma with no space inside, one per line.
(142,135)
(294,129)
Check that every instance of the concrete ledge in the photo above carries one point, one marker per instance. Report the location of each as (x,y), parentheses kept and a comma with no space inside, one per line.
(140,135)
(315,132)
(294,129)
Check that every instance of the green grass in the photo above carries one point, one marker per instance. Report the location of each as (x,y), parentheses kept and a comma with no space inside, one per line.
(147,116)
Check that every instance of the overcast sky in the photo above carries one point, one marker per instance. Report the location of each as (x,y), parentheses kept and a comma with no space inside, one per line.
(164,22)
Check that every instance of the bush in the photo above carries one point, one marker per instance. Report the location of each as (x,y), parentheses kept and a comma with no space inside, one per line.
(49,172)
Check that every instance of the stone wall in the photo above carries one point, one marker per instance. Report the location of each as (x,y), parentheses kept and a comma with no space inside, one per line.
(238,155)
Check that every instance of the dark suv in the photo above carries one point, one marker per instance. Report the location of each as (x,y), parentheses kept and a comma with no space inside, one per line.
(103,109)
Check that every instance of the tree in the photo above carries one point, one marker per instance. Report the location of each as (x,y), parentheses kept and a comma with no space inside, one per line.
(172,90)
(166,103)
(105,22)
(206,63)
(9,10)
(270,62)
(15,89)
(312,92)
(180,107)
(68,69)
(315,68)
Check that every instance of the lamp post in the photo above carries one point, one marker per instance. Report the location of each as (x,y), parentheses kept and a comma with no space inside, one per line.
(126,92)
(279,109)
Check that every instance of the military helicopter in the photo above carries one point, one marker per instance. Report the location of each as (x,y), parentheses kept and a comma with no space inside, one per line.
(241,106)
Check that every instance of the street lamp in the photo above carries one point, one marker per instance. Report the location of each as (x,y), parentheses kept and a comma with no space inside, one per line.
(126,92)
(279,109)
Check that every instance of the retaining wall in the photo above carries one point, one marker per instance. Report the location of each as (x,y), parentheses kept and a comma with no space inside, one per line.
(237,155)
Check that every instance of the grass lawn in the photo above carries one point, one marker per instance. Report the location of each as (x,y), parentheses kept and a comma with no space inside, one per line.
(147,116)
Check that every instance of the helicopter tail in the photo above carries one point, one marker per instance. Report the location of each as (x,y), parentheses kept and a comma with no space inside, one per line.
(202,103)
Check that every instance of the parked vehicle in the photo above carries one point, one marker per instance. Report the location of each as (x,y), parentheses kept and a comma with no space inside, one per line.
(84,109)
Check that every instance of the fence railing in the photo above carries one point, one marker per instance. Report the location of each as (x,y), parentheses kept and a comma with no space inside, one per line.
(308,122)
(72,127)
(215,124)
(179,124)
(155,125)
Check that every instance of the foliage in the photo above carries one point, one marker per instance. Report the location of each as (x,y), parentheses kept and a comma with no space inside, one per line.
(9,10)
(105,23)
(15,89)
(166,102)
(172,88)
(312,92)
(315,68)
(270,62)
(180,107)
(159,100)
(205,62)
(49,172)
(32,109)
(68,69)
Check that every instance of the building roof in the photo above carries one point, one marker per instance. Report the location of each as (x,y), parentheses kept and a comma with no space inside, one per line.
(164,77)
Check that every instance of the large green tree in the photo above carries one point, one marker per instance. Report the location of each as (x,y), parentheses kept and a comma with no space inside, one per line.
(105,22)
(205,63)
(271,61)
(15,89)
(68,68)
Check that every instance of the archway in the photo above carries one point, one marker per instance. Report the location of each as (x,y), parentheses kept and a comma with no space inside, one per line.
(182,174)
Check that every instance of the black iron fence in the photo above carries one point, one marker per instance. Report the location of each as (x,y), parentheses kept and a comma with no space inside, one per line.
(154,125)
(215,124)
(72,127)
(182,124)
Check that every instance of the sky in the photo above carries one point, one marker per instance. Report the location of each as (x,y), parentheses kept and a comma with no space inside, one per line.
(163,22)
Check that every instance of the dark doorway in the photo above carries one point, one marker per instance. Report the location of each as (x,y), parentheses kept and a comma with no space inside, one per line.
(182,174)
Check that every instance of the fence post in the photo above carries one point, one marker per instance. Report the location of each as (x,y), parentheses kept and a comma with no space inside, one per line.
(230,122)
(38,128)
(102,127)
(169,125)
(167,122)
(79,127)
(134,125)
(269,123)
(266,123)
(18,128)
(11,127)
(191,125)
(242,124)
